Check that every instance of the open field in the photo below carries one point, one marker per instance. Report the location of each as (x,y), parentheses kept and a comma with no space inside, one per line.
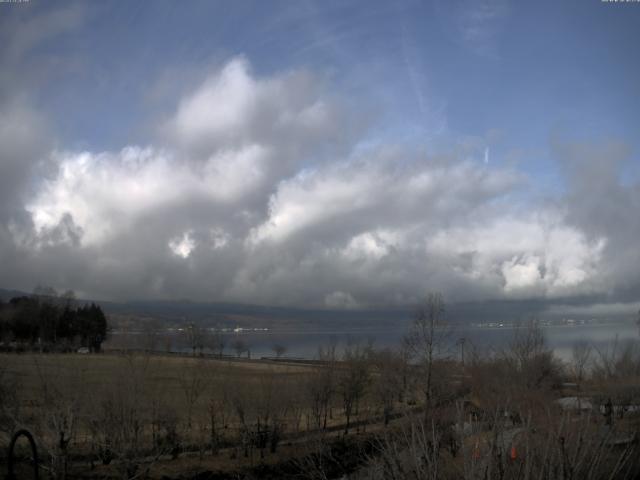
(28,370)
(167,406)
(179,382)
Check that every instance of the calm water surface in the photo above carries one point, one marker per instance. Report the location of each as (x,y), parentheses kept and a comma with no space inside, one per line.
(560,338)
(305,343)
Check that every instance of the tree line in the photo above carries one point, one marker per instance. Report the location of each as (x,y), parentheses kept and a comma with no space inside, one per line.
(48,321)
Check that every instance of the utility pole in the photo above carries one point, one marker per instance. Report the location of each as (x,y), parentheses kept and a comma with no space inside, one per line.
(461,342)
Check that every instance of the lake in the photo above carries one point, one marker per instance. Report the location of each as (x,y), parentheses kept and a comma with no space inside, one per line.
(305,343)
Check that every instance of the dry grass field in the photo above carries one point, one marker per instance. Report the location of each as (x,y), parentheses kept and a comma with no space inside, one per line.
(163,373)
(134,415)
(164,406)
(175,381)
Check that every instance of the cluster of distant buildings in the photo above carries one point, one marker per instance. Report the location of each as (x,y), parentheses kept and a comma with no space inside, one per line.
(563,322)
(223,329)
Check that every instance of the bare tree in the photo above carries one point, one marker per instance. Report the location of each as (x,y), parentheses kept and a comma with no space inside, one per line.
(239,346)
(218,342)
(120,417)
(9,404)
(404,370)
(164,425)
(193,382)
(195,338)
(386,381)
(427,339)
(580,354)
(320,386)
(218,408)
(527,343)
(353,380)
(68,299)
(272,405)
(240,396)
(118,423)
(461,342)
(530,356)
(605,360)
(152,335)
(60,411)
(296,395)
(279,350)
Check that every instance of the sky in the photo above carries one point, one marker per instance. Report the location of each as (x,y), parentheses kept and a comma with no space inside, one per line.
(345,154)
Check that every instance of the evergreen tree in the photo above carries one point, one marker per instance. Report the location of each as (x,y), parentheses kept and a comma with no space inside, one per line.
(43,318)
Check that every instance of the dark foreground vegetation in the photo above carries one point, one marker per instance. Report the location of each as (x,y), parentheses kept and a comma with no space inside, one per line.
(48,322)
(420,412)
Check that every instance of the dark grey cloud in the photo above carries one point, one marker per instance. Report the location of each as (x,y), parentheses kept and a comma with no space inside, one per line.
(26,136)
(603,201)
(23,146)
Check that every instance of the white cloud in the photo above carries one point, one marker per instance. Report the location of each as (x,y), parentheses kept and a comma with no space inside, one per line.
(104,192)
(233,109)
(314,197)
(183,246)
(248,192)
(396,190)
(233,139)
(534,254)
(220,109)
(522,273)
(371,245)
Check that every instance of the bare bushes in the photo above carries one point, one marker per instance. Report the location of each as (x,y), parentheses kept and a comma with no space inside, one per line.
(320,387)
(9,406)
(353,380)
(618,359)
(134,421)
(261,410)
(558,447)
(118,424)
(532,361)
(57,417)
(410,452)
(389,381)
(510,428)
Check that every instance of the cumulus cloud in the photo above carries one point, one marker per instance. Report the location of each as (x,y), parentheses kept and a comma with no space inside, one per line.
(534,254)
(107,192)
(384,188)
(260,190)
(289,117)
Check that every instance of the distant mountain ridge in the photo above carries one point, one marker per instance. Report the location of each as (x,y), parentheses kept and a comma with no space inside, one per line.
(238,314)
(181,311)
(5,295)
